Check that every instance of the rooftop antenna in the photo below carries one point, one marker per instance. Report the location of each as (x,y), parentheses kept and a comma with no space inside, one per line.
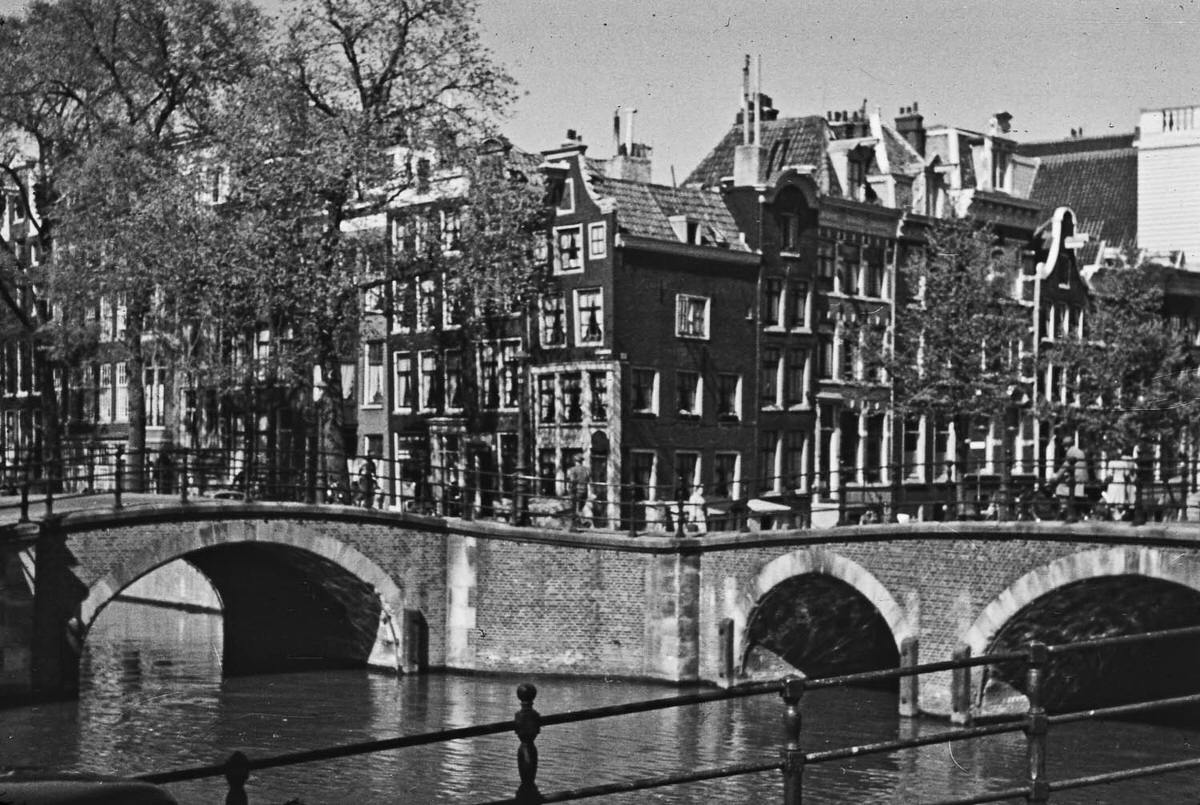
(758,99)
(746,101)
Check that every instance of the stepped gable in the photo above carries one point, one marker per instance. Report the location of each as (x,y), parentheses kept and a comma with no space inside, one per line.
(786,141)
(645,210)
(1100,186)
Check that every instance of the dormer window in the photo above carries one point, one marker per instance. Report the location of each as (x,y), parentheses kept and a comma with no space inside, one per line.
(688,229)
(1000,171)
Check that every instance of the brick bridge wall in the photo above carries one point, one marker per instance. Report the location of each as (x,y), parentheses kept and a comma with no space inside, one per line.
(505,599)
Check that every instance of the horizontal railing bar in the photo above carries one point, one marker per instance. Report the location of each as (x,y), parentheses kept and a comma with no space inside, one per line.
(987,796)
(334,752)
(646,783)
(921,668)
(1117,640)
(964,734)
(1124,709)
(739,692)
(1125,774)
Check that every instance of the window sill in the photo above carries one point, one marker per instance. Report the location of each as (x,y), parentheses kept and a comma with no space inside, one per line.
(645,414)
(371,407)
(687,337)
(689,415)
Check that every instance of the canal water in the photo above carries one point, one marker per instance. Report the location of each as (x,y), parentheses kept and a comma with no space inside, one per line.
(153,699)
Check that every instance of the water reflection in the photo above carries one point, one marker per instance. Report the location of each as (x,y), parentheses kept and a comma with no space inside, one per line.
(153,699)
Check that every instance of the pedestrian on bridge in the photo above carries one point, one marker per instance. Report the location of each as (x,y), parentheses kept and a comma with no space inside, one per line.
(367,482)
(579,479)
(1072,480)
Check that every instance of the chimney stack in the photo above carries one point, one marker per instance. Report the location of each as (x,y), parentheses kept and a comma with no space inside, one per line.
(911,126)
(631,160)
(749,157)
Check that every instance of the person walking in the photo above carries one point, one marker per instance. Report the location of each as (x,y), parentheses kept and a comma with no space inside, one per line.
(366,482)
(1072,480)
(579,479)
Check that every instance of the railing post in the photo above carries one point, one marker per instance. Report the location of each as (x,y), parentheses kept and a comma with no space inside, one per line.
(911,684)
(680,531)
(1036,724)
(49,495)
(25,498)
(960,688)
(237,772)
(793,755)
(119,480)
(528,725)
(183,478)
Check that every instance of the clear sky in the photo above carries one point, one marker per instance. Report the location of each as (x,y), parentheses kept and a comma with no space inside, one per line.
(1053,64)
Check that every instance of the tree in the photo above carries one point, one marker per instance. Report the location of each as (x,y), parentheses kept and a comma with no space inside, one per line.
(88,78)
(957,350)
(362,96)
(1132,374)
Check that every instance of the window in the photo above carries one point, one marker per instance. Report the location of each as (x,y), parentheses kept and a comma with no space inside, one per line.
(644,390)
(688,393)
(589,314)
(597,240)
(598,383)
(428,381)
(687,475)
(453,386)
(567,202)
(793,460)
(411,235)
(641,474)
(825,357)
(400,306)
(373,375)
(106,320)
(105,395)
(796,386)
(568,249)
(404,381)
(772,299)
(797,301)
(426,304)
(729,396)
(553,321)
(849,365)
(373,299)
(825,261)
(873,275)
(873,471)
(726,476)
(691,316)
(768,471)
(510,368)
(912,447)
(847,275)
(769,391)
(122,312)
(452,304)
(941,447)
(122,393)
(489,377)
(789,232)
(451,221)
(547,413)
(547,471)
(572,397)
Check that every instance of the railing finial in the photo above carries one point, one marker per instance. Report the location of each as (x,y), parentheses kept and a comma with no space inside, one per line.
(237,773)
(528,725)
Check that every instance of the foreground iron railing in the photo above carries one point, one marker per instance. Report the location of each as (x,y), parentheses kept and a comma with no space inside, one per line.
(792,759)
(553,497)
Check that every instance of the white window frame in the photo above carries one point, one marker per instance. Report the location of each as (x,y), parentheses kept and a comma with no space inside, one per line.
(104,394)
(560,265)
(373,376)
(682,300)
(426,391)
(654,389)
(580,294)
(697,409)
(403,380)
(567,202)
(737,398)
(597,234)
(121,391)
(735,483)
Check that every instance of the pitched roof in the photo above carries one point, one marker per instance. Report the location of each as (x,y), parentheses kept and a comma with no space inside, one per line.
(1100,186)
(787,141)
(902,157)
(645,209)
(1076,145)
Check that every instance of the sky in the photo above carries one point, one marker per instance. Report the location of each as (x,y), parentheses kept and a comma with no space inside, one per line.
(1054,65)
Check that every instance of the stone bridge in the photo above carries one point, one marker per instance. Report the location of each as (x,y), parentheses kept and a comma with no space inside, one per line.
(320,586)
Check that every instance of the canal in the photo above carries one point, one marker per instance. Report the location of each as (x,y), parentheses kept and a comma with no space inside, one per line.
(153,699)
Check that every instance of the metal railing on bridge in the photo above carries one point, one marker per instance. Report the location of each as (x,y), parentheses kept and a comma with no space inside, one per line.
(792,760)
(555,497)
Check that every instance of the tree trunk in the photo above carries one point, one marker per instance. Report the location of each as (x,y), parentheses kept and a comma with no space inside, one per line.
(135,468)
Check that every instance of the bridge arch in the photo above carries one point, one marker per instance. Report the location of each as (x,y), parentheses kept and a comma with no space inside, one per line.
(1148,562)
(821,562)
(205,538)
(1093,593)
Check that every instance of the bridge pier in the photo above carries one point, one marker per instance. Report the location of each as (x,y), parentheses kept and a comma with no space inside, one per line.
(54,656)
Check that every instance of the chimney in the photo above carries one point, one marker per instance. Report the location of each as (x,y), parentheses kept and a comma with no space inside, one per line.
(631,160)
(749,157)
(911,126)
